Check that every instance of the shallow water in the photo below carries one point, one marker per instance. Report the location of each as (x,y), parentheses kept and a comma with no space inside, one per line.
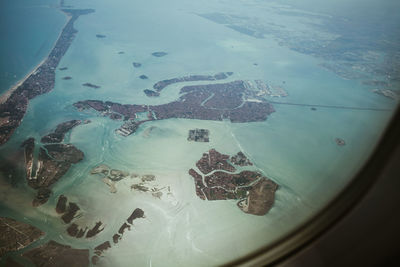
(295,146)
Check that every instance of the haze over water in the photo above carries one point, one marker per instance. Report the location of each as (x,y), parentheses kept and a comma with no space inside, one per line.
(295,146)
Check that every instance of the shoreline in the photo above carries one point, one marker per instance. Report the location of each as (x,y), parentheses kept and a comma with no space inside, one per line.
(6,95)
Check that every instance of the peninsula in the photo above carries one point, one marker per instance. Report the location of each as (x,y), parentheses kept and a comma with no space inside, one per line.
(14,103)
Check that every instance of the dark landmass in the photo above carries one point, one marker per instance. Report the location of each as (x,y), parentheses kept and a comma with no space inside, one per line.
(240,159)
(95,230)
(204,102)
(42,195)
(213,160)
(64,153)
(340,142)
(192,78)
(16,235)
(10,262)
(63,68)
(313,109)
(121,52)
(67,78)
(137,64)
(61,206)
(116,238)
(199,135)
(55,254)
(73,208)
(102,247)
(151,93)
(137,213)
(159,54)
(59,133)
(74,231)
(91,85)
(143,77)
(123,227)
(53,162)
(100,36)
(255,192)
(39,82)
(95,259)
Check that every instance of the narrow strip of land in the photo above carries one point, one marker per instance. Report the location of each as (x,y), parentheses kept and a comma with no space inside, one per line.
(330,106)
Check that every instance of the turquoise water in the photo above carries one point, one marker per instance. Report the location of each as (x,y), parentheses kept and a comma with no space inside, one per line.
(27,36)
(295,146)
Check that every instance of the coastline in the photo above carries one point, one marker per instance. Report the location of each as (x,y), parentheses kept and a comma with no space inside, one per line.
(6,95)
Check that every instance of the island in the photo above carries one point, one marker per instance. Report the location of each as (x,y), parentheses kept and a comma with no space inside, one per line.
(143,77)
(14,103)
(205,102)
(16,235)
(254,192)
(59,133)
(192,78)
(99,250)
(159,54)
(151,93)
(136,64)
(100,36)
(340,141)
(91,85)
(199,135)
(66,78)
(55,254)
(63,68)
(53,160)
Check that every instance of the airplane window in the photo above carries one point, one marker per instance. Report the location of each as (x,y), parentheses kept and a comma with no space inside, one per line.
(183,133)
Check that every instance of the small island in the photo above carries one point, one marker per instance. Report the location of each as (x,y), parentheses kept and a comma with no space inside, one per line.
(143,77)
(63,68)
(100,36)
(199,135)
(66,78)
(151,93)
(136,64)
(340,142)
(91,85)
(159,54)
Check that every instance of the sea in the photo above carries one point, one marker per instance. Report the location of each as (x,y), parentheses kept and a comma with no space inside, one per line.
(295,146)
